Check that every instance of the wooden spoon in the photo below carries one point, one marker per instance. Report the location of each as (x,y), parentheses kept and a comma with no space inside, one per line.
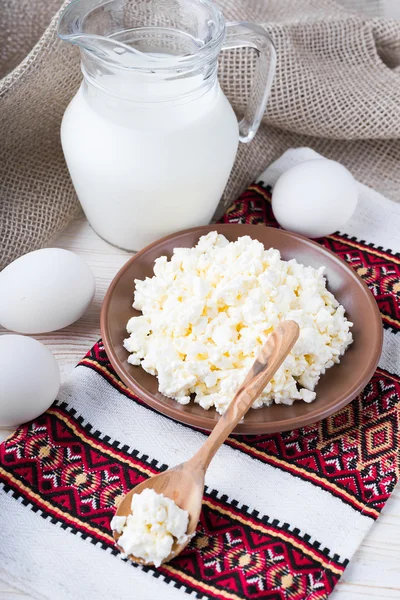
(184,484)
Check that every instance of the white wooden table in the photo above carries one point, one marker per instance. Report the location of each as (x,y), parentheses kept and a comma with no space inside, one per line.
(374,572)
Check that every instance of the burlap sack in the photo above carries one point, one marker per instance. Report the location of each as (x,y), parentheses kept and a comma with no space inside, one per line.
(337,90)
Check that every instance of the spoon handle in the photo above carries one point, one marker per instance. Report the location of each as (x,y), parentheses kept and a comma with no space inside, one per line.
(272,355)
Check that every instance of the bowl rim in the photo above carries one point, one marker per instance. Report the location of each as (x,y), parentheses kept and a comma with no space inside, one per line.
(243,428)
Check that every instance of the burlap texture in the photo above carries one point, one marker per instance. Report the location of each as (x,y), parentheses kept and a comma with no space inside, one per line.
(337,90)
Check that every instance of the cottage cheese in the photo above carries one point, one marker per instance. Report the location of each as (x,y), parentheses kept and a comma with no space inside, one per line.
(149,532)
(207,312)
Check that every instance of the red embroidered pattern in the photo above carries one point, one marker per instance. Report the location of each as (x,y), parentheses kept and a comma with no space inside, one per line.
(355,450)
(55,464)
(75,476)
(332,454)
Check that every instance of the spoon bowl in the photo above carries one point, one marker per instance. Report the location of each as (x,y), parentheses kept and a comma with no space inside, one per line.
(184,484)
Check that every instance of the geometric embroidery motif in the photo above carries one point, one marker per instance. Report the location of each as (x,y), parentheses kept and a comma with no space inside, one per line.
(340,423)
(332,453)
(76,477)
(71,475)
(380,438)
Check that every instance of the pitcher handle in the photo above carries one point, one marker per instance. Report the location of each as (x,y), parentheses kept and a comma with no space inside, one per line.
(250,35)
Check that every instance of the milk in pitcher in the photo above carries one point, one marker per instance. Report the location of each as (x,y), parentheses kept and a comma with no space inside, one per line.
(150,138)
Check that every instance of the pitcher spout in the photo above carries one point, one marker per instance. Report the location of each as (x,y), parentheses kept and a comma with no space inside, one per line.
(93,26)
(71,26)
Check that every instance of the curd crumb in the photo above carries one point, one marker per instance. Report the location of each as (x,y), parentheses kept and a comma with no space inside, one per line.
(208,310)
(151,529)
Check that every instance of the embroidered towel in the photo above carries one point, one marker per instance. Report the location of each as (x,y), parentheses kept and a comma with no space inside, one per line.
(282,514)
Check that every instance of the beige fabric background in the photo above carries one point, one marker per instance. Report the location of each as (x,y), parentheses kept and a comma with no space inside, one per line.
(337,90)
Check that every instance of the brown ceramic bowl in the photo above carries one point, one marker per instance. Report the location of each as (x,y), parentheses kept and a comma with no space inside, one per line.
(336,388)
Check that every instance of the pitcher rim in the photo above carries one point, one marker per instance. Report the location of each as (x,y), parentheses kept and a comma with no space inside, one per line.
(171,62)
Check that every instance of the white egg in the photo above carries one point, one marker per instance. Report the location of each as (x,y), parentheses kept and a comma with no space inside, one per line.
(29,379)
(315,198)
(44,291)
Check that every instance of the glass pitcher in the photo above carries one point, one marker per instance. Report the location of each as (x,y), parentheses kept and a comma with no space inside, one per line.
(150,138)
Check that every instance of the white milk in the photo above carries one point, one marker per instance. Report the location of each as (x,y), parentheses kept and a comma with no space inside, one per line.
(144,169)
